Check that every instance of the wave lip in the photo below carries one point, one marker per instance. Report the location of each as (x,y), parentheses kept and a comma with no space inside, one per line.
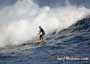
(82,25)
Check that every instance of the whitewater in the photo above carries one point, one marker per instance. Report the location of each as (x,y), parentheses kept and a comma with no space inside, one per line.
(19,22)
(67,31)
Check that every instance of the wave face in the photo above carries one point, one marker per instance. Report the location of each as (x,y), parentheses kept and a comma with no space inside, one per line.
(82,25)
(19,22)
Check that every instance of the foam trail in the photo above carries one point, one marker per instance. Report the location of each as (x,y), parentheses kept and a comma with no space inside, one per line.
(20,22)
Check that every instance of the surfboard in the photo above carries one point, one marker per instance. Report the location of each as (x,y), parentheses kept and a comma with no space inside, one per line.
(34,43)
(39,42)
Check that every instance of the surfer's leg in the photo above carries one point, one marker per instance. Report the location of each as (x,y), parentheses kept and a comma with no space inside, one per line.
(41,37)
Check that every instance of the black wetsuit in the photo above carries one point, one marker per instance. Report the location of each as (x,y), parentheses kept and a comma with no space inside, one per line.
(41,35)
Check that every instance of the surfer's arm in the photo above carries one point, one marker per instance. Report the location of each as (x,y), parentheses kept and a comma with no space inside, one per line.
(39,33)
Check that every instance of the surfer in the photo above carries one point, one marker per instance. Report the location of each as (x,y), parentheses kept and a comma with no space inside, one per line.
(41,33)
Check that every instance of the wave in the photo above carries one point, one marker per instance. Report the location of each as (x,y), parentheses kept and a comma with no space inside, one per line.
(82,25)
(19,22)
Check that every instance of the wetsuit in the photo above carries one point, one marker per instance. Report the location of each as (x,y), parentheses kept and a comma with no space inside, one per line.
(42,33)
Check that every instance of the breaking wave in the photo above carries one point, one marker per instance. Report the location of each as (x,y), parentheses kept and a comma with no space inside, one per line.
(19,22)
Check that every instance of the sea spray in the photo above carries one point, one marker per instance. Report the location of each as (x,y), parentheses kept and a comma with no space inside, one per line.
(19,22)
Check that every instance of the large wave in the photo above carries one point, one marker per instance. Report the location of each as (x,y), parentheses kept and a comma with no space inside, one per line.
(19,22)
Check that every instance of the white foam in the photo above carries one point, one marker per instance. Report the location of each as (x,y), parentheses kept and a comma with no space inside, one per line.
(20,22)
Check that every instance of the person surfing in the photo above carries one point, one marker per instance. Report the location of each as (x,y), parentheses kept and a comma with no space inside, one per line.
(41,33)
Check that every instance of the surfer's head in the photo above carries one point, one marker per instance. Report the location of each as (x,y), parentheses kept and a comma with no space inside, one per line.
(39,27)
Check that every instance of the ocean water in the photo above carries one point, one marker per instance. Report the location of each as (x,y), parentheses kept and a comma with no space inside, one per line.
(67,34)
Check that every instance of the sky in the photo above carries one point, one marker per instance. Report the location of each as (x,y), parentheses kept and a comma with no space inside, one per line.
(51,3)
